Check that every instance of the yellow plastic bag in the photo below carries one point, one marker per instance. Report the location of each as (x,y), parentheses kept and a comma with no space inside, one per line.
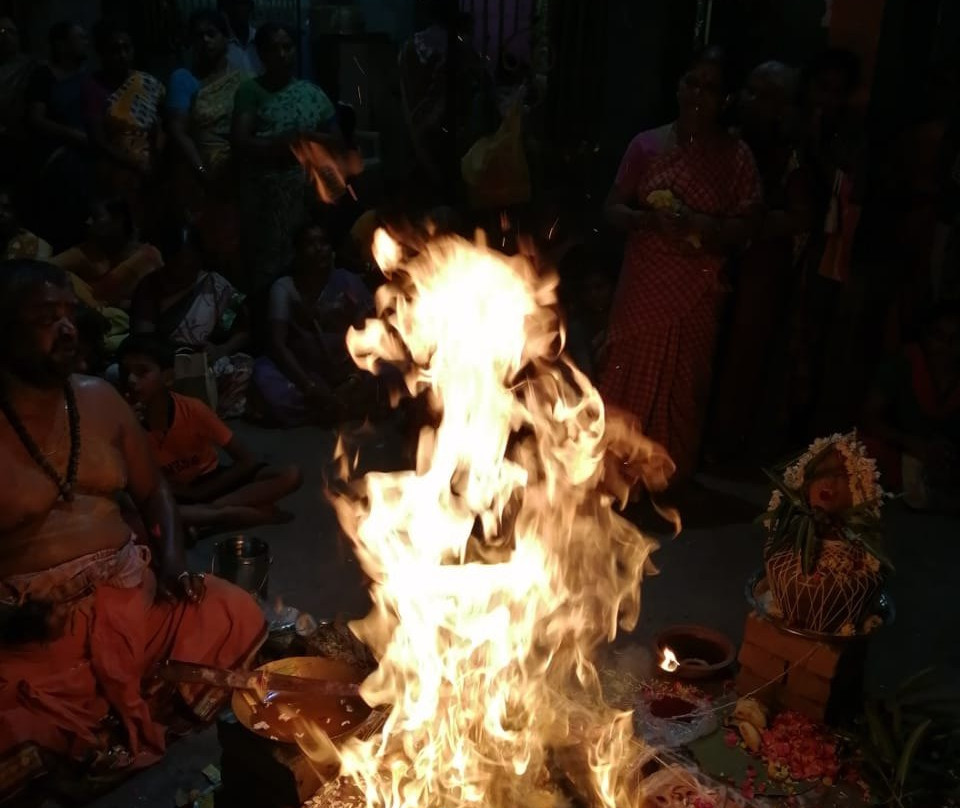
(495,169)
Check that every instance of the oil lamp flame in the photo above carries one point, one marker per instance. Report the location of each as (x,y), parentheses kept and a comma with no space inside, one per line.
(670,663)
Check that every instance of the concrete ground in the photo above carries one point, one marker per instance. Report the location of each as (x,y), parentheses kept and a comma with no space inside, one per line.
(703,573)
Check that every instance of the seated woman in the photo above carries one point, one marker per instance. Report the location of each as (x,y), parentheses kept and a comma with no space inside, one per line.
(123,115)
(186,437)
(199,113)
(106,268)
(272,113)
(199,311)
(912,417)
(308,376)
(112,261)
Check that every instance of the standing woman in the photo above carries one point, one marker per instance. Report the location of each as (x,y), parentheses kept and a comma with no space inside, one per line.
(62,161)
(123,114)
(271,113)
(663,324)
(200,114)
(766,271)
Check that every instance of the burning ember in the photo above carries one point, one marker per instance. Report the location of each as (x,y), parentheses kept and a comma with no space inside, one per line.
(328,169)
(498,566)
(670,663)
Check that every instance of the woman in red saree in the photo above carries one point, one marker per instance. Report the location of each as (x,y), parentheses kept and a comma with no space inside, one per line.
(685,194)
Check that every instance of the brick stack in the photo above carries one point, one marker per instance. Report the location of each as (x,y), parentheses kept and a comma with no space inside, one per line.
(818,679)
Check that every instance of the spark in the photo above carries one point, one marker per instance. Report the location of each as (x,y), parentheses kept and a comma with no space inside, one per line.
(553,228)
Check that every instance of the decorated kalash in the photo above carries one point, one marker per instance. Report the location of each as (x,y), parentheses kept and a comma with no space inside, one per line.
(800,717)
(792,726)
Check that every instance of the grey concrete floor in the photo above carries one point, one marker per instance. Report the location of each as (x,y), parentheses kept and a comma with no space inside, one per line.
(703,572)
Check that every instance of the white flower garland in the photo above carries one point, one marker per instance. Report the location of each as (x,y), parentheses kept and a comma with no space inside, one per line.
(862,472)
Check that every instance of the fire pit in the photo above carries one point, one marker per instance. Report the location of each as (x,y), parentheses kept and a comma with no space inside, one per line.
(694,652)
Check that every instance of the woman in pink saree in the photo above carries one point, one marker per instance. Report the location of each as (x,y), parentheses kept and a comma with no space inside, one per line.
(686,195)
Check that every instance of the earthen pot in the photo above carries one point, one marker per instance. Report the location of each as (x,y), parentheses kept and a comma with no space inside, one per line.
(832,600)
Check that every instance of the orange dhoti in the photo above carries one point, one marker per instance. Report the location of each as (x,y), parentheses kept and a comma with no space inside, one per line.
(56,695)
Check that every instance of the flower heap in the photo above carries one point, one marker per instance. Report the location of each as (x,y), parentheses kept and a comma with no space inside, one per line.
(861,469)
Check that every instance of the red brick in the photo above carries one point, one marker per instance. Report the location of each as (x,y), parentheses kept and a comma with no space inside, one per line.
(765,634)
(761,661)
(824,660)
(751,683)
(819,657)
(808,685)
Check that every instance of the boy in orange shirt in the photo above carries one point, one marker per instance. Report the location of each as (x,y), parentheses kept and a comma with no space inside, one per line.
(185,436)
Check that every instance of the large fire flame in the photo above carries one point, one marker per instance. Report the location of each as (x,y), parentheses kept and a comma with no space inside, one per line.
(498,566)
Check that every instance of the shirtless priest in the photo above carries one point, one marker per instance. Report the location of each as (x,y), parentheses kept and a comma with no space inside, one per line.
(86,612)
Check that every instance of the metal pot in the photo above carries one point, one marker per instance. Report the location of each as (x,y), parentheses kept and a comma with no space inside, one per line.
(244,561)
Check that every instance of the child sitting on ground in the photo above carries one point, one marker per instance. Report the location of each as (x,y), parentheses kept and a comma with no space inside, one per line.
(185,436)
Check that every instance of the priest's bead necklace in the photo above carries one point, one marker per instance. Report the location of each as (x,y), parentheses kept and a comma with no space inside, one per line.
(64,485)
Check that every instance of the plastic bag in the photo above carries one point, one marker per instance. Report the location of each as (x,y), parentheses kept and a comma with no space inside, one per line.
(194,377)
(495,168)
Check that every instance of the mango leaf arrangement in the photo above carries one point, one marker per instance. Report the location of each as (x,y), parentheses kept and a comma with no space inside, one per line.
(797,526)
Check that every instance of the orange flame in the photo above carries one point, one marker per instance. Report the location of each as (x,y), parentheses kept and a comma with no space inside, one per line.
(328,170)
(499,566)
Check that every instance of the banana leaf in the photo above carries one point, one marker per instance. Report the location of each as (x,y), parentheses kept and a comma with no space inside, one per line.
(925,684)
(896,713)
(913,744)
(880,735)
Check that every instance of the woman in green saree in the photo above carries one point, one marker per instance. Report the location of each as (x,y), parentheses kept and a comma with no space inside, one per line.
(272,113)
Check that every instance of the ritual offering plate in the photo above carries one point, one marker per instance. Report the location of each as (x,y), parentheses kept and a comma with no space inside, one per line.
(670,715)
(881,613)
(678,787)
(291,715)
